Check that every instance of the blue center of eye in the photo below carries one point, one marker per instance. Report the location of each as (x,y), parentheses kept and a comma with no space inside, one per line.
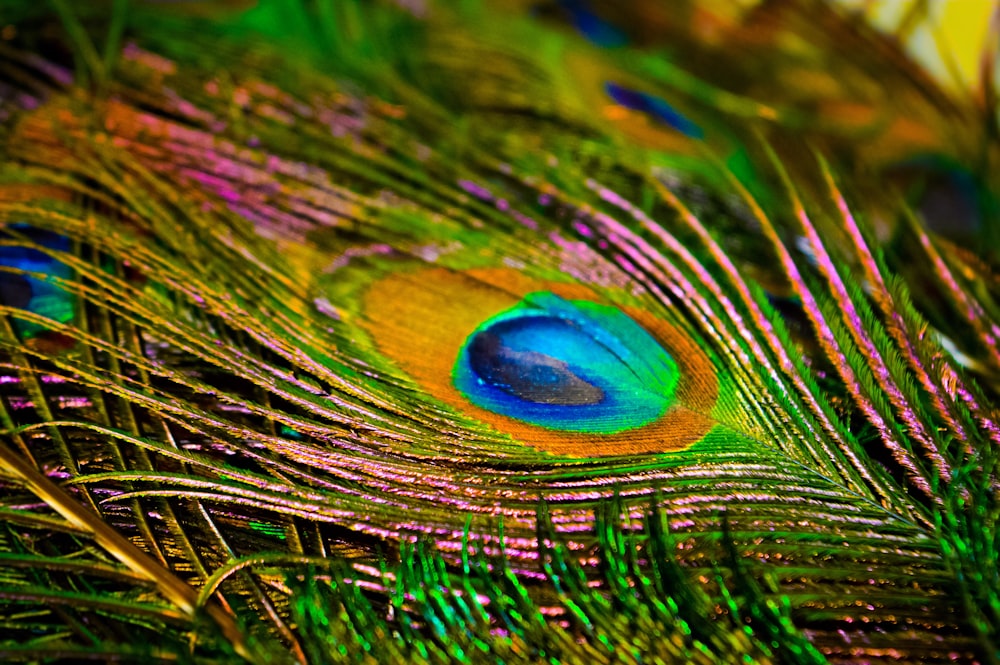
(35,294)
(567,365)
(522,358)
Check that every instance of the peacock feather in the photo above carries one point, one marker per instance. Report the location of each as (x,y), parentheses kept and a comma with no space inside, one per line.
(499,331)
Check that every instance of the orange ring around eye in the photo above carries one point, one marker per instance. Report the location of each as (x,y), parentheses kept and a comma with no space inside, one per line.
(420,320)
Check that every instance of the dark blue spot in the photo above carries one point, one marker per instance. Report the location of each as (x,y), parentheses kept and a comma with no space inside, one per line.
(655,107)
(530,375)
(568,365)
(597,30)
(36,294)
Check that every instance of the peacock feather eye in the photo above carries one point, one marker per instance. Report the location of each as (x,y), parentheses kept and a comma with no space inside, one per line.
(27,279)
(553,365)
(567,365)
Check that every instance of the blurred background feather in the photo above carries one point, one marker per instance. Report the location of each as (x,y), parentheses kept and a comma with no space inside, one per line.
(499,331)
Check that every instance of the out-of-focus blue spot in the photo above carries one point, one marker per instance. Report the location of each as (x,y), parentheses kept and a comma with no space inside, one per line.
(36,294)
(654,106)
(593,27)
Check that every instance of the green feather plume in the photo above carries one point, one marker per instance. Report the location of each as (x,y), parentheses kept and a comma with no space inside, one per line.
(500,331)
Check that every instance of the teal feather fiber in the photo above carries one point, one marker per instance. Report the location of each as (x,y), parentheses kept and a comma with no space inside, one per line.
(495,331)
